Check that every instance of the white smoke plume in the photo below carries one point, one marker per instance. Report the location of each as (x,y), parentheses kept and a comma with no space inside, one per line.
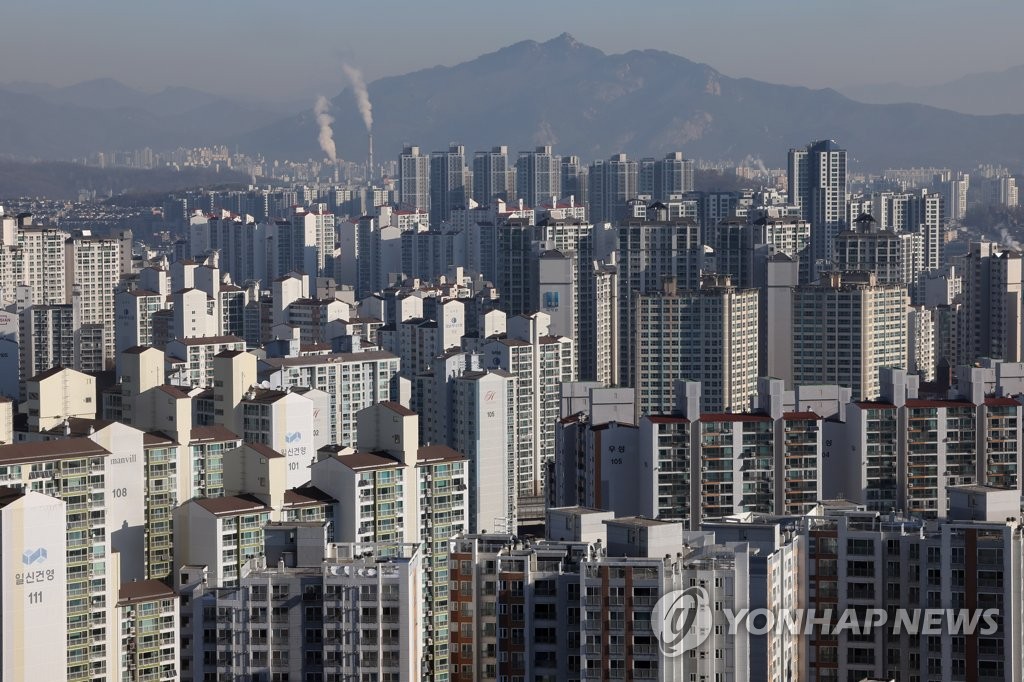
(1009,241)
(754,162)
(355,76)
(324,120)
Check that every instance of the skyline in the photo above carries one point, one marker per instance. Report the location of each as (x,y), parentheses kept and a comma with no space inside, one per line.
(236,51)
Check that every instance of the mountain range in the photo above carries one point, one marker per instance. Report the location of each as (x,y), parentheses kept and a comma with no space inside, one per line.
(45,122)
(559,92)
(994,92)
(642,102)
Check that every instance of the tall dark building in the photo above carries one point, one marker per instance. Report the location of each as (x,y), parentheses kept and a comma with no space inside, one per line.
(817,185)
(493,177)
(451,183)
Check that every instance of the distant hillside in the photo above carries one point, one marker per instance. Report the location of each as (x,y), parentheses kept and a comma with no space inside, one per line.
(55,180)
(42,122)
(994,92)
(643,102)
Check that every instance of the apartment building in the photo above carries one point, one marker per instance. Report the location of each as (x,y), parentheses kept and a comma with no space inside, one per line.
(133,317)
(59,394)
(149,628)
(351,612)
(191,359)
(847,558)
(845,329)
(34,535)
(707,335)
(688,465)
(904,452)
(649,252)
(221,533)
(353,381)
(43,260)
(540,363)
(99,491)
(93,268)
(581,610)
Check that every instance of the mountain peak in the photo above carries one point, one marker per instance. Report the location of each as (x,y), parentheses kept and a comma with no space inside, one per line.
(566,44)
(566,39)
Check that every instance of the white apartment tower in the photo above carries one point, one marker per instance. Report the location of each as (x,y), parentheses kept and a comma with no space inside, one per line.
(845,329)
(707,335)
(493,176)
(414,180)
(44,263)
(483,415)
(538,176)
(93,271)
(540,362)
(353,381)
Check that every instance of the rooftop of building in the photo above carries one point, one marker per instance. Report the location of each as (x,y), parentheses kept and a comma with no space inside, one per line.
(638,522)
(979,488)
(840,504)
(153,439)
(734,417)
(9,495)
(578,511)
(265,396)
(397,408)
(368,461)
(79,426)
(143,591)
(46,374)
(211,434)
(437,454)
(797,416)
(43,450)
(232,504)
(264,450)
(306,496)
(365,356)
(209,340)
(173,391)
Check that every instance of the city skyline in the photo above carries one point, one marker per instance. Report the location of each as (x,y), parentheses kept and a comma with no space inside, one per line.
(92,45)
(631,342)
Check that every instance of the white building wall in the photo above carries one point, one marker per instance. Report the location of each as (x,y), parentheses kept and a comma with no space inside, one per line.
(33,589)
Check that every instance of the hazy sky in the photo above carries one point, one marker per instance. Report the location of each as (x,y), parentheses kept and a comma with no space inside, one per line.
(289,49)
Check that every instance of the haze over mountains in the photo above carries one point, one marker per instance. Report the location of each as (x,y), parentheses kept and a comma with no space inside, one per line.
(560,92)
(994,92)
(46,122)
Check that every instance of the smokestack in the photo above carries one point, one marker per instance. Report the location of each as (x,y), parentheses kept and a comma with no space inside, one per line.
(369,163)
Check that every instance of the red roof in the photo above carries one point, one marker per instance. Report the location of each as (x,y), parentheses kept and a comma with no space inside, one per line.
(794,416)
(1001,402)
